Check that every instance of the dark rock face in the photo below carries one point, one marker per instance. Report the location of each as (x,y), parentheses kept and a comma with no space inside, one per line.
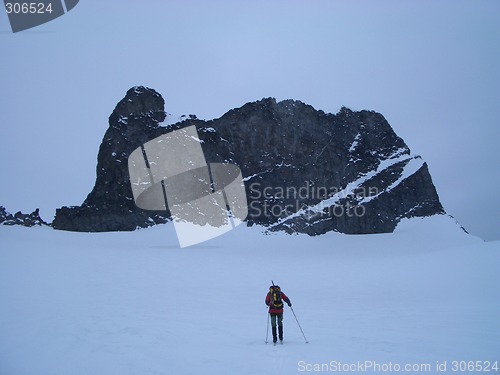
(110,205)
(348,167)
(304,170)
(27,220)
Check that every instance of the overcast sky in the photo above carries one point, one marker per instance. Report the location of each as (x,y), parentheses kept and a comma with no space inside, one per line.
(432,68)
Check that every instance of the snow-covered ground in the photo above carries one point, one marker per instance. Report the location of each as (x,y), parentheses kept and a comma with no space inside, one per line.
(135,303)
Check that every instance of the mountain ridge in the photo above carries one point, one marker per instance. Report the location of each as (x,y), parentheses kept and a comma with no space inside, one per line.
(284,144)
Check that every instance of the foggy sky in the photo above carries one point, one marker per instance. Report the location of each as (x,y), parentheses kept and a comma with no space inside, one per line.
(430,67)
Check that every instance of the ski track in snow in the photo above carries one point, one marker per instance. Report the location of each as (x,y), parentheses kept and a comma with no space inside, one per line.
(135,303)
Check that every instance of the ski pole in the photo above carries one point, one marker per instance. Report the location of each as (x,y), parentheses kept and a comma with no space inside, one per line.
(291,308)
(267,330)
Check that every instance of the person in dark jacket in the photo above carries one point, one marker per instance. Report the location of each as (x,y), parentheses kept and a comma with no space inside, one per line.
(274,299)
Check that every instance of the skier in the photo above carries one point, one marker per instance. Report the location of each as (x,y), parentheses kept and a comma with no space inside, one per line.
(274,300)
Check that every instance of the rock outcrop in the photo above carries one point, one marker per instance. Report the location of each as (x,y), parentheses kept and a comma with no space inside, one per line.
(26,220)
(110,205)
(304,170)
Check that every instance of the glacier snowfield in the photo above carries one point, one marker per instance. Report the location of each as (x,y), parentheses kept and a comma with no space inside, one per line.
(135,303)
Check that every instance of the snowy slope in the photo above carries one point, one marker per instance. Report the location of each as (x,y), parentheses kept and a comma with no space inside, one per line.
(134,303)
(413,164)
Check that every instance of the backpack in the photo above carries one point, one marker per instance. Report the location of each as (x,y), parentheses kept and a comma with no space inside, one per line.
(276,301)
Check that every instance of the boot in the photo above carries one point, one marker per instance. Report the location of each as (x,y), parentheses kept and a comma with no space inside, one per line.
(275,338)
(280,331)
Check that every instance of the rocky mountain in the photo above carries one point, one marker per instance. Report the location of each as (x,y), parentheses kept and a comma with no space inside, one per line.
(27,220)
(110,205)
(304,170)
